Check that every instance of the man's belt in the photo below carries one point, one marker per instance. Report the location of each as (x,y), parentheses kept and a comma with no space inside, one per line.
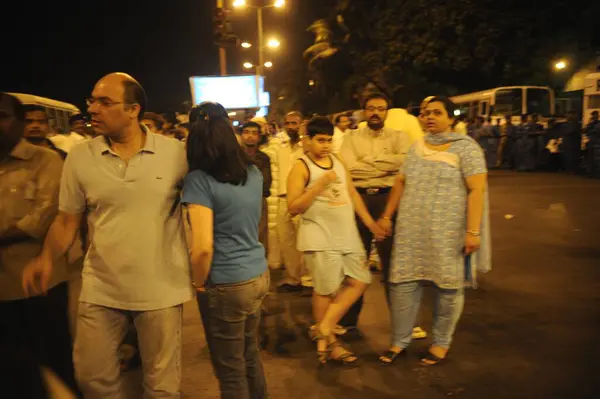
(374,190)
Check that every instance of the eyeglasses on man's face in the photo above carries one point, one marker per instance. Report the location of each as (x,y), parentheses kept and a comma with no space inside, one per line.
(376,109)
(104,102)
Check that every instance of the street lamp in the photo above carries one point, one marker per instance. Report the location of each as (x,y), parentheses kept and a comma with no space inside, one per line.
(268,64)
(273,43)
(248,65)
(246,45)
(259,17)
(560,65)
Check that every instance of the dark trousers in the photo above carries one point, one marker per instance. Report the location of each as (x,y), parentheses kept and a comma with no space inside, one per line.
(376,205)
(36,330)
(231,315)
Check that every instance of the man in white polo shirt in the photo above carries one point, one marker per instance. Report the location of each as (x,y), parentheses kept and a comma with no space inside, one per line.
(136,269)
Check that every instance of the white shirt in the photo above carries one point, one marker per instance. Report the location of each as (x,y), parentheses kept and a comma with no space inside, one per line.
(460,128)
(338,139)
(66,141)
(285,156)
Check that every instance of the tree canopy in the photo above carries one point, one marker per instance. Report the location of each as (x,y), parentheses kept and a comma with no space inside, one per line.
(415,48)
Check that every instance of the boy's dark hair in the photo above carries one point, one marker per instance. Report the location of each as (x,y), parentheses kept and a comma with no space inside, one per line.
(251,124)
(319,125)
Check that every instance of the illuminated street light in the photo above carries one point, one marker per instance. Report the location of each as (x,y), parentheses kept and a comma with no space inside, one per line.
(560,65)
(273,43)
(248,65)
(246,45)
(268,64)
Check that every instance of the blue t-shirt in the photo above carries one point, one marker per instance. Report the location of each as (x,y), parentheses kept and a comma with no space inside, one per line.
(238,255)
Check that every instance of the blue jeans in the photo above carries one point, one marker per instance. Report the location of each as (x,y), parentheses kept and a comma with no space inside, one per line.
(231,316)
(405,300)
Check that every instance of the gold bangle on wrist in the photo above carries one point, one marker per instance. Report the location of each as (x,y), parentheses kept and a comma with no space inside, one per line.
(474,233)
(386,218)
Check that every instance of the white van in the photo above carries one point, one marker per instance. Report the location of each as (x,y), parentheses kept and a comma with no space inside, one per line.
(591,96)
(58,112)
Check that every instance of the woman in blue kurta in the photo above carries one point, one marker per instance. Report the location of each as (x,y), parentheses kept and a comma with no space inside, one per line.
(442,234)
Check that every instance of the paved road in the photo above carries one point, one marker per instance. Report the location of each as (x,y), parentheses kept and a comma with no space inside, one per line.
(530,331)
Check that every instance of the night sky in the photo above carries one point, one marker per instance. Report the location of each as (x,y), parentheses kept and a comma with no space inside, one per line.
(59,49)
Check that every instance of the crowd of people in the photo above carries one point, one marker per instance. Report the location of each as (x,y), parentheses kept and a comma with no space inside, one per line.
(530,146)
(164,217)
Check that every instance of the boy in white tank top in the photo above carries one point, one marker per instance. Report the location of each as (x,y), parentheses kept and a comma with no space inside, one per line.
(321,190)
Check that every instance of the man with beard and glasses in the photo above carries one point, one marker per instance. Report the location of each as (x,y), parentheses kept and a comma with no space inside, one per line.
(374,155)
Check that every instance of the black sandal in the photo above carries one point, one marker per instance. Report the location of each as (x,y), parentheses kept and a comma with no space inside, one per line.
(391,357)
(435,360)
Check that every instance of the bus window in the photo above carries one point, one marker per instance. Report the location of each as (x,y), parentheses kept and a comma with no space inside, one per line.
(538,102)
(464,109)
(484,108)
(474,111)
(52,117)
(594,101)
(509,102)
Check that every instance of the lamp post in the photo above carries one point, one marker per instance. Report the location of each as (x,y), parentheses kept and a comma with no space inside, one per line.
(259,18)
(222,54)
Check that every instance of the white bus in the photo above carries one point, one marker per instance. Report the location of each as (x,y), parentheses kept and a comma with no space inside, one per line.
(58,112)
(591,96)
(508,100)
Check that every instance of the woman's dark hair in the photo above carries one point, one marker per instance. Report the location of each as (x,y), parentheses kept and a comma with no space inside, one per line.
(207,109)
(212,147)
(448,104)
(319,125)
